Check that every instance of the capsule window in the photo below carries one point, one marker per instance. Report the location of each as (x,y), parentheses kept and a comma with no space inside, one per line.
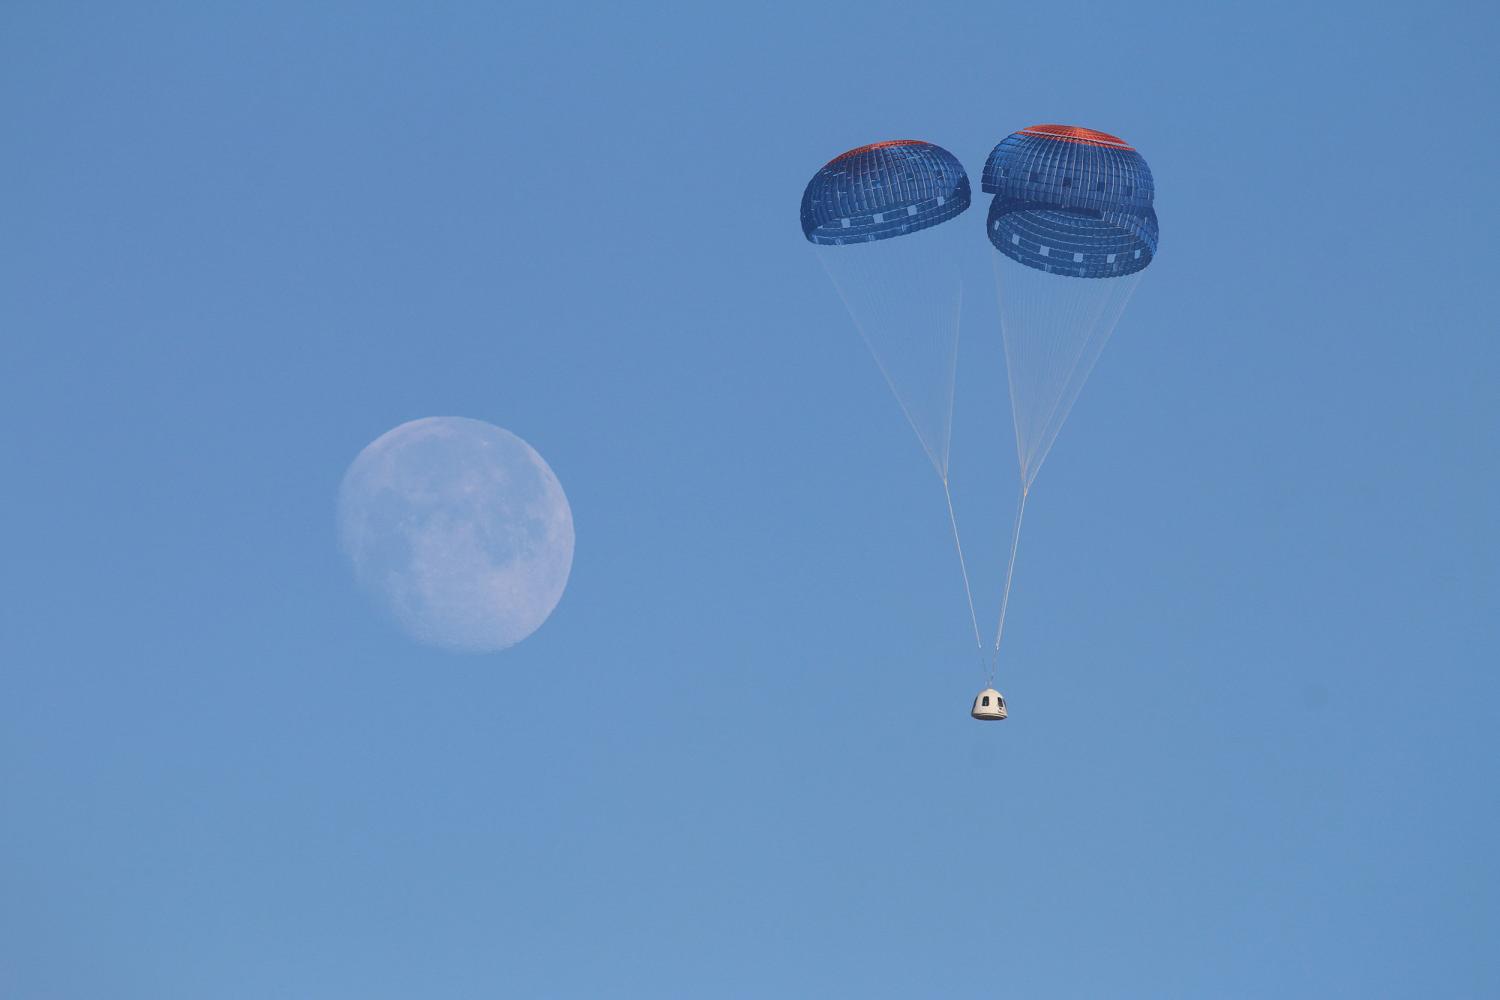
(986,700)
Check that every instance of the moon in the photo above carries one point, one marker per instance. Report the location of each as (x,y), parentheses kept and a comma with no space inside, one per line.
(459,530)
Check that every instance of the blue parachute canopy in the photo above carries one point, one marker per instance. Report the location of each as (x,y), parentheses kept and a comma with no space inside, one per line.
(1071,201)
(883,190)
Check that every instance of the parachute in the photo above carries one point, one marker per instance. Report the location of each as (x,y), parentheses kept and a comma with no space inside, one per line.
(876,216)
(1075,227)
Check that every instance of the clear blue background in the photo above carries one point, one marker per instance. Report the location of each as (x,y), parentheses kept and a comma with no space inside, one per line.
(1252,655)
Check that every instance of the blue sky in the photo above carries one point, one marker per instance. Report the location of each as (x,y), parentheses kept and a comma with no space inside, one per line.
(1251,650)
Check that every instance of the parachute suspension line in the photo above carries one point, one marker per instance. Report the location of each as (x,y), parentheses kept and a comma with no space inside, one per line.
(1053,329)
(1010,568)
(924,307)
(1010,378)
(891,310)
(1099,318)
(963,568)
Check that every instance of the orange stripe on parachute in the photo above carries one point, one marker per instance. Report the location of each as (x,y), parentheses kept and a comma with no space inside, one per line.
(1073,133)
(875,145)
